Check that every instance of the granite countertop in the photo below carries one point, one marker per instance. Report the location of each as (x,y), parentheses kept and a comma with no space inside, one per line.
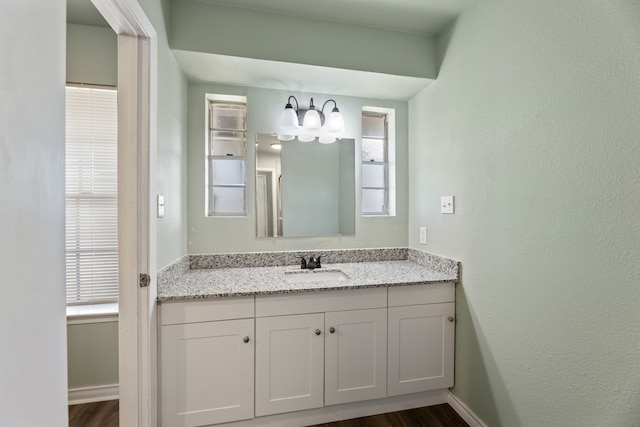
(246,281)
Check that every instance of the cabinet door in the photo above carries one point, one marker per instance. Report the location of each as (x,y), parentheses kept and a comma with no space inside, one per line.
(355,355)
(207,372)
(421,340)
(289,363)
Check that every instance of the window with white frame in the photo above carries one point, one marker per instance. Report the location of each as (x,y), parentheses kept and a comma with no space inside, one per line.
(91,195)
(226,155)
(378,161)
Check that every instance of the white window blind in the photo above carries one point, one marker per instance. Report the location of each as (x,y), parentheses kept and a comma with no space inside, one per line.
(375,164)
(226,150)
(91,165)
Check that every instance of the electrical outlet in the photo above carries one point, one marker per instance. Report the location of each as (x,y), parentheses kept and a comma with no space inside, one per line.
(423,235)
(446,204)
(160,206)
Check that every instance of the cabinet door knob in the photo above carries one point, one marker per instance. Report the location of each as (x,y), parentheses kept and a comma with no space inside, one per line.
(451,319)
(318,332)
(246,339)
(332,329)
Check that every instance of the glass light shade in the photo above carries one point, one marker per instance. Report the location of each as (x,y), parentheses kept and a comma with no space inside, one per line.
(282,137)
(335,123)
(327,139)
(311,120)
(288,120)
(306,137)
(276,147)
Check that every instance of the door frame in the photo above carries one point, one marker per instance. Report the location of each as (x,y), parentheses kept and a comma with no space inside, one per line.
(137,145)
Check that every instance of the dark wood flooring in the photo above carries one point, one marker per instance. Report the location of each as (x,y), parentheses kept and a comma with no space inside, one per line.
(430,416)
(105,414)
(99,414)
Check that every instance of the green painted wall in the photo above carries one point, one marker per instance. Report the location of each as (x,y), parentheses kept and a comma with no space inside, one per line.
(238,234)
(533,124)
(171,166)
(92,55)
(93,354)
(247,33)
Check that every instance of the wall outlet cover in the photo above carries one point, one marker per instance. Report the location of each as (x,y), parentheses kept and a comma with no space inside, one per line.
(423,235)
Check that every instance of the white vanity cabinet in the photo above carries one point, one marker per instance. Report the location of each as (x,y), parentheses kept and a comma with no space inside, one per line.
(289,363)
(355,355)
(318,349)
(206,364)
(421,338)
(283,359)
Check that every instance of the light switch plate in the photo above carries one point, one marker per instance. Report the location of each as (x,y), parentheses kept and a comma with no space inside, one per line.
(423,235)
(160,206)
(446,204)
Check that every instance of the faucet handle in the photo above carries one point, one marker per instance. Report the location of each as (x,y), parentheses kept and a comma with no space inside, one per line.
(303,262)
(318,262)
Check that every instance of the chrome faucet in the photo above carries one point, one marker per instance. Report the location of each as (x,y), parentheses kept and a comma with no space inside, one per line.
(311,264)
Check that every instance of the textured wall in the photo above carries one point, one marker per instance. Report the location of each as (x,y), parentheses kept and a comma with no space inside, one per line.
(33,371)
(171,168)
(533,124)
(247,33)
(92,354)
(92,55)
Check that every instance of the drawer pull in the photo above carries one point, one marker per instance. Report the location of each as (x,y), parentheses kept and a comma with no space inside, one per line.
(332,329)
(451,319)
(246,339)
(318,331)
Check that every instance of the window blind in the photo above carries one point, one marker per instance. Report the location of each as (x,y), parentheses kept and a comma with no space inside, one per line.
(91,193)
(226,157)
(375,164)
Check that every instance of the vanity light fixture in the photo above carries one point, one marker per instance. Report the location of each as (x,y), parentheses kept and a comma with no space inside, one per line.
(276,147)
(309,123)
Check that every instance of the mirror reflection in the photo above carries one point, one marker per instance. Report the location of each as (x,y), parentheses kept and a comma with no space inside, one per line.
(304,188)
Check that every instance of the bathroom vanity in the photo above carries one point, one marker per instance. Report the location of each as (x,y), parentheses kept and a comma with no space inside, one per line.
(279,346)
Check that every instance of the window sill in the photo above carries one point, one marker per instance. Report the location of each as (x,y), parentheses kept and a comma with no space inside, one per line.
(96,313)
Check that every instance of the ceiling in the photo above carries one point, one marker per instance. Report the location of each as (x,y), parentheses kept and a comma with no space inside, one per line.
(417,16)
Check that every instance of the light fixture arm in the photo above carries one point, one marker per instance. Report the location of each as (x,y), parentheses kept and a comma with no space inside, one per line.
(335,105)
(289,103)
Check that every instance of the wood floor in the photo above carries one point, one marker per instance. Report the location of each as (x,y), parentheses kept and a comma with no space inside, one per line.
(99,414)
(105,414)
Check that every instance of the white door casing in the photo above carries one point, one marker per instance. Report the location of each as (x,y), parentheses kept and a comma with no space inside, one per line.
(137,128)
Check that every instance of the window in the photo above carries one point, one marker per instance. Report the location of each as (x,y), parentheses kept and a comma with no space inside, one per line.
(378,166)
(91,194)
(226,155)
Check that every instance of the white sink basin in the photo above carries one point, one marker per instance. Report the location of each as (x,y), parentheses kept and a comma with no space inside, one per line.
(306,276)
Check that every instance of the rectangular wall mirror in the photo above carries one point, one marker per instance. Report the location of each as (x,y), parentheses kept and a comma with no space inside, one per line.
(304,189)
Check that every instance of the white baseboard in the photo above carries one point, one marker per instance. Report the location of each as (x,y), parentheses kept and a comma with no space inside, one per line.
(93,394)
(463,410)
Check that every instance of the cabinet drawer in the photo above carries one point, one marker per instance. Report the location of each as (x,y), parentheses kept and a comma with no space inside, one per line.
(318,302)
(422,294)
(172,313)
